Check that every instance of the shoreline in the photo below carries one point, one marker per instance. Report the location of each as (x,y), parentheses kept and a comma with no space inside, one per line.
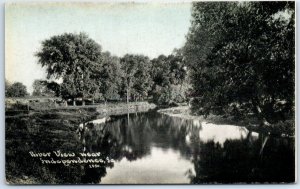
(285,129)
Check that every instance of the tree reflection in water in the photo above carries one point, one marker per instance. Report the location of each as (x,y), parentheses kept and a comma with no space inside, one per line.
(222,154)
(241,161)
(240,158)
(132,137)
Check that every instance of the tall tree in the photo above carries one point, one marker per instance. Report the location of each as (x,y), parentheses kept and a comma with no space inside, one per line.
(74,58)
(242,58)
(136,74)
(110,77)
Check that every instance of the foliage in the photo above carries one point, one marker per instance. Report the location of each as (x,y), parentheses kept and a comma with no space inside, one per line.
(44,88)
(17,89)
(74,58)
(54,88)
(171,94)
(169,76)
(136,76)
(241,56)
(110,77)
(86,72)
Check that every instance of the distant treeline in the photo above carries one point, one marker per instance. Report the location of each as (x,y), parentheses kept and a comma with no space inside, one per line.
(238,59)
(90,74)
(16,89)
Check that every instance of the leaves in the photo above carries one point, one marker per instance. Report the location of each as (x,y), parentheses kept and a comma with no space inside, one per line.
(75,58)
(240,54)
(136,79)
(17,89)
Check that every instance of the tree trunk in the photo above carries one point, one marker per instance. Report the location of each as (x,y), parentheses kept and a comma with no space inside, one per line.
(128,119)
(74,102)
(83,102)
(127,92)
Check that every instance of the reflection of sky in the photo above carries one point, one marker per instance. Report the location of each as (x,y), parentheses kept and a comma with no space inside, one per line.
(163,157)
(161,166)
(221,133)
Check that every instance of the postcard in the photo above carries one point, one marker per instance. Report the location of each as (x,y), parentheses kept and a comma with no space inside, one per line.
(198,92)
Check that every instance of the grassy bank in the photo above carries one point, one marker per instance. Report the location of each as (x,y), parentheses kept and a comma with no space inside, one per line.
(43,130)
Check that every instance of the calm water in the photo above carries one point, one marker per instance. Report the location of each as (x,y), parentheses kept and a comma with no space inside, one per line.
(155,148)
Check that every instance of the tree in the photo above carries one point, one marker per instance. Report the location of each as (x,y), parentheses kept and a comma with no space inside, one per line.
(169,77)
(40,88)
(74,58)
(54,88)
(16,90)
(242,59)
(110,77)
(136,74)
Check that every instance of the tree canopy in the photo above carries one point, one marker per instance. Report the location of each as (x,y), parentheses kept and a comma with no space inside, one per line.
(16,89)
(74,58)
(169,76)
(111,77)
(136,76)
(241,56)
(43,88)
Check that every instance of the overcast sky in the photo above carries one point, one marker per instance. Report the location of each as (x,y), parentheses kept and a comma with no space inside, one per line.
(149,29)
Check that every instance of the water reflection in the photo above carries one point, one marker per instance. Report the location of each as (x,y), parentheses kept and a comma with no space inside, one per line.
(146,148)
(154,148)
(240,161)
(160,166)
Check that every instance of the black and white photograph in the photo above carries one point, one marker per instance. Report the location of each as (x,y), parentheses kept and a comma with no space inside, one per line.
(154,92)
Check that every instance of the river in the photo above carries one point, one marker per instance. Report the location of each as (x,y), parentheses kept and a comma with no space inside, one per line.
(155,148)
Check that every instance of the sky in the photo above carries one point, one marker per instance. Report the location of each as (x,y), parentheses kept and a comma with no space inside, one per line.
(139,28)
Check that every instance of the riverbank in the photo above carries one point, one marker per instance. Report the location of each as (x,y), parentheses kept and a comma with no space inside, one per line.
(282,129)
(47,129)
(184,112)
(103,109)
(40,131)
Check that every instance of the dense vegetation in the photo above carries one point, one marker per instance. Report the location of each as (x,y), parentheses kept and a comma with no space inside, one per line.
(238,60)
(88,73)
(241,57)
